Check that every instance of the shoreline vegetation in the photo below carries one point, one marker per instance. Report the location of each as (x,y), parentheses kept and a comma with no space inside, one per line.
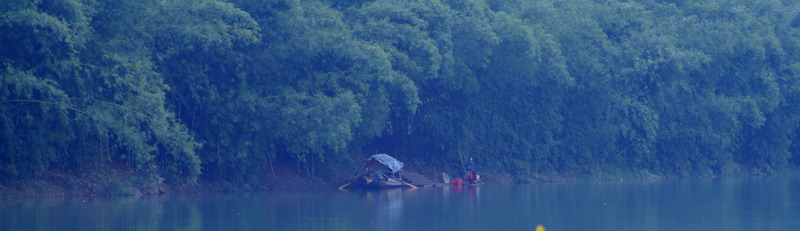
(127,97)
(119,182)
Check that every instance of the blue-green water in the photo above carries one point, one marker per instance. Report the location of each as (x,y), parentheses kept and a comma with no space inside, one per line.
(708,204)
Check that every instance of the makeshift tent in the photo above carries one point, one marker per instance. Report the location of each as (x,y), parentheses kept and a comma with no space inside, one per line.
(375,169)
(385,160)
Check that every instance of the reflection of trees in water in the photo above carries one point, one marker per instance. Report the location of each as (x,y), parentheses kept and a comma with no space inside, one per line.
(387,208)
(465,198)
(675,205)
(204,212)
(180,214)
(123,213)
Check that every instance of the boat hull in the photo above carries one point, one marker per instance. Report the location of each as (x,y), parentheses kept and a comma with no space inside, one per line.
(379,184)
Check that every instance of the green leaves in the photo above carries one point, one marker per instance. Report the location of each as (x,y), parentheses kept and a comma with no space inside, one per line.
(92,98)
(182,88)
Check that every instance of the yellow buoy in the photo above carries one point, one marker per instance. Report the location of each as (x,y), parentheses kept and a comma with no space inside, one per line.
(540,228)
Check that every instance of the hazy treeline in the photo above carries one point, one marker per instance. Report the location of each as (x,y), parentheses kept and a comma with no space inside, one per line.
(188,89)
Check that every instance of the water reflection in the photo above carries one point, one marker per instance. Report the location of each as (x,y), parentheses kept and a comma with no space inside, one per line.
(760,204)
(386,206)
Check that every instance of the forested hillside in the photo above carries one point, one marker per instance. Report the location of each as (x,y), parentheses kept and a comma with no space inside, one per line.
(190,90)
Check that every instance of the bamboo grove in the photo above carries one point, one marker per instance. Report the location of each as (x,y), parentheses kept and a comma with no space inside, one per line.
(210,89)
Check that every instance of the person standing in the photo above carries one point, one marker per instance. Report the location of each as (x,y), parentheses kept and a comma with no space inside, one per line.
(471,176)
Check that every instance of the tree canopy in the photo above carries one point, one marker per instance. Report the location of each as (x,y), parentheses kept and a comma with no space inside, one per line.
(213,89)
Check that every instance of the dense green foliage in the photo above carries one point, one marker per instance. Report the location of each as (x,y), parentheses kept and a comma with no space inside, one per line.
(188,89)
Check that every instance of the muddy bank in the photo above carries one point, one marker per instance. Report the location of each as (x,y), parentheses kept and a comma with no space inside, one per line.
(110,181)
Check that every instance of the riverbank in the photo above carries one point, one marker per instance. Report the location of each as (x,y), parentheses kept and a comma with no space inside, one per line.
(116,181)
(110,181)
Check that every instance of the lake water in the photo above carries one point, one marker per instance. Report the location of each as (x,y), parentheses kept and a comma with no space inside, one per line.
(705,204)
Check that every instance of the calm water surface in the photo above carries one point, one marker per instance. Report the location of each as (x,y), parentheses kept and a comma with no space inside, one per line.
(711,204)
